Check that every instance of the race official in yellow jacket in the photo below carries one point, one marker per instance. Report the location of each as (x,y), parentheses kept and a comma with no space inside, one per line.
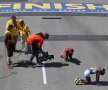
(24,32)
(9,44)
(13,21)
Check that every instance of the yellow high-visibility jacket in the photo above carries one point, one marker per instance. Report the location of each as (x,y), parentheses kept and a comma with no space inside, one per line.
(25,31)
(15,32)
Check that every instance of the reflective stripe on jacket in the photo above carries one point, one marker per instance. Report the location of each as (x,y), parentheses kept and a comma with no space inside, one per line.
(25,32)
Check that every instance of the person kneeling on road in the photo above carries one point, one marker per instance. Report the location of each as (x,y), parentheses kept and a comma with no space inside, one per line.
(36,41)
(97,70)
(67,54)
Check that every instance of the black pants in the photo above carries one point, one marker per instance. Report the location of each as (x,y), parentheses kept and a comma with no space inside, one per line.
(10,49)
(36,51)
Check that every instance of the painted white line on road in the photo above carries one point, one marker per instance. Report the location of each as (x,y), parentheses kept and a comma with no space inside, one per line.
(44,75)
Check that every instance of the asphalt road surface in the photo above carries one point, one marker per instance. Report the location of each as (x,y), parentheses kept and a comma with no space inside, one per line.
(88,36)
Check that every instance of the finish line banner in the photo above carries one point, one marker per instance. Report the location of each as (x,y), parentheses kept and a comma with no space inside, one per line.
(53,7)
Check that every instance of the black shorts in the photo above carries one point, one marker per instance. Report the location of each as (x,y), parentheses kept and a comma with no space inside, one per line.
(35,48)
(10,50)
(88,80)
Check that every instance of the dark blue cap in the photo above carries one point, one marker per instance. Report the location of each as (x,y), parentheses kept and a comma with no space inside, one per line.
(13,17)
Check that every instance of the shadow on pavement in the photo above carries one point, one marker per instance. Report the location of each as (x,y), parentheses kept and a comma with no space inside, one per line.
(55,64)
(75,61)
(102,83)
(22,63)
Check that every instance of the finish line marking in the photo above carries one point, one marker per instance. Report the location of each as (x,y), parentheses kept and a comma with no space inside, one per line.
(44,75)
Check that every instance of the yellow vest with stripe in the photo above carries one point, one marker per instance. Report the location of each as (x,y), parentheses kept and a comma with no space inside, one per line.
(12,37)
(15,32)
(25,32)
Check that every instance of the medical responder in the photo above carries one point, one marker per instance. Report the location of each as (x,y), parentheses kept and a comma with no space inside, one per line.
(36,41)
(24,33)
(10,44)
(13,21)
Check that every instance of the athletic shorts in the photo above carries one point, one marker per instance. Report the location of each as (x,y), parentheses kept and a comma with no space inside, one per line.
(88,80)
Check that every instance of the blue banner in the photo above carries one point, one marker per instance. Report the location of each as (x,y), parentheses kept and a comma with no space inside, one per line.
(53,7)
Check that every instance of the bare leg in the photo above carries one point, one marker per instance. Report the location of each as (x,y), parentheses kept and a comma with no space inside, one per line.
(83,81)
(23,45)
(86,81)
(9,62)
